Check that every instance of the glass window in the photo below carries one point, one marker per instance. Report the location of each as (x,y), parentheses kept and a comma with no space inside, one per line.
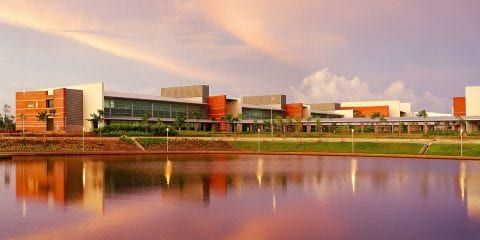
(161,110)
(142,108)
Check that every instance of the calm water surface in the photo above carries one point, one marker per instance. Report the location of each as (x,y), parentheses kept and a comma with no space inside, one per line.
(238,197)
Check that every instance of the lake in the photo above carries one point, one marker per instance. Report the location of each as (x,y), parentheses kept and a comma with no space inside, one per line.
(238,197)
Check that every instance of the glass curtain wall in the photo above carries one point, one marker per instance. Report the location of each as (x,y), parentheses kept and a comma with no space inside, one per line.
(117,107)
(250,113)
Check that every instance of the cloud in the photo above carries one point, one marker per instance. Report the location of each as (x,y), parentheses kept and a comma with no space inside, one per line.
(324,86)
(60,20)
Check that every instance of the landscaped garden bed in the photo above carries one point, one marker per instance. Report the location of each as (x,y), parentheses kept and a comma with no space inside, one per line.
(160,144)
(65,145)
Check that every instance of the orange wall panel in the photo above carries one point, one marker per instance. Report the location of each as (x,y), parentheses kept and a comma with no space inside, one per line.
(459,107)
(368,111)
(217,107)
(30,104)
(34,102)
(294,110)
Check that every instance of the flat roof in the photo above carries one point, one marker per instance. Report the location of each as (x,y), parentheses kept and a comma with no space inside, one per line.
(148,97)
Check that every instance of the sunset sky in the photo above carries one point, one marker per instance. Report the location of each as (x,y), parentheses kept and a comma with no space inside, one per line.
(424,52)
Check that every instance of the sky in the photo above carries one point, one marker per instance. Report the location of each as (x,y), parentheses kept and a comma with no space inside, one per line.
(423,52)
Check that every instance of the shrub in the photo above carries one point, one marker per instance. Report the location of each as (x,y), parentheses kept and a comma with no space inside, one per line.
(137,129)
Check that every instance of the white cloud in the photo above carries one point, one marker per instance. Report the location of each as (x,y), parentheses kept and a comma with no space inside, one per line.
(324,86)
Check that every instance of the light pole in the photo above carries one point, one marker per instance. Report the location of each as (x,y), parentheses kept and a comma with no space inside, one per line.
(271,116)
(23,125)
(83,138)
(353,146)
(167,138)
(461,141)
(258,140)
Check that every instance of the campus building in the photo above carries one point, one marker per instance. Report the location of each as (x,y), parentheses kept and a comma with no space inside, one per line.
(67,109)
(468,107)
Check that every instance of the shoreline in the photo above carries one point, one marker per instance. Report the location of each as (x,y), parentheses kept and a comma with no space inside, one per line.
(8,156)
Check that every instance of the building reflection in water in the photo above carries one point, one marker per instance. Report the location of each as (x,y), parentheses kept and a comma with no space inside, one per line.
(61,182)
(471,180)
(86,181)
(353,173)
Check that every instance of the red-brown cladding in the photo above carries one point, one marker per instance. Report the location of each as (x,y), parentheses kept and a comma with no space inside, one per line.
(294,110)
(459,107)
(29,104)
(217,107)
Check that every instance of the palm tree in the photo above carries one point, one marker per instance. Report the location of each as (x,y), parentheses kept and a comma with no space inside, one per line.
(318,125)
(179,122)
(423,114)
(229,120)
(6,109)
(42,117)
(298,125)
(289,122)
(279,122)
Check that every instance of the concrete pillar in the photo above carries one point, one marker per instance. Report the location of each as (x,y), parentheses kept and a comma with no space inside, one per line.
(361,127)
(309,128)
(393,128)
(239,127)
(472,126)
(408,128)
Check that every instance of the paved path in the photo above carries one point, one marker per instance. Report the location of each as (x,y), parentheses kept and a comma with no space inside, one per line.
(280,139)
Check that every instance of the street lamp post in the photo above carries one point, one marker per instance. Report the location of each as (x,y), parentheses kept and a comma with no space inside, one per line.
(258,140)
(271,116)
(167,138)
(461,142)
(83,138)
(353,146)
(23,125)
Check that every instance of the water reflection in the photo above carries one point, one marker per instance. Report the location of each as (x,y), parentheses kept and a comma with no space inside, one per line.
(344,191)
(61,182)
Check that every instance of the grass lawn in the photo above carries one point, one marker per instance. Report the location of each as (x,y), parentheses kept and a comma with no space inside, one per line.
(454,149)
(334,147)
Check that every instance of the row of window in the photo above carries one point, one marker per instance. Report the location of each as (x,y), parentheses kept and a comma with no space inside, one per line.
(116,107)
(259,113)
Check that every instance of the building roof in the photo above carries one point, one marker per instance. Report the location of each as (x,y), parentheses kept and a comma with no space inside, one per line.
(148,97)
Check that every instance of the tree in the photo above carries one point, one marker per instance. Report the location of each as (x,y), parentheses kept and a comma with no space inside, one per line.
(179,122)
(318,125)
(422,113)
(289,122)
(96,118)
(229,120)
(279,122)
(357,114)
(6,109)
(42,117)
(376,115)
(298,124)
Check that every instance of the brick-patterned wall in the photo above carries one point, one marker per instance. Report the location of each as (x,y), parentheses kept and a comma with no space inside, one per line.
(459,106)
(34,102)
(368,111)
(294,110)
(30,104)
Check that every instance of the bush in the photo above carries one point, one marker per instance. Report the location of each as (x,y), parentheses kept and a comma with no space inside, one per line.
(137,129)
